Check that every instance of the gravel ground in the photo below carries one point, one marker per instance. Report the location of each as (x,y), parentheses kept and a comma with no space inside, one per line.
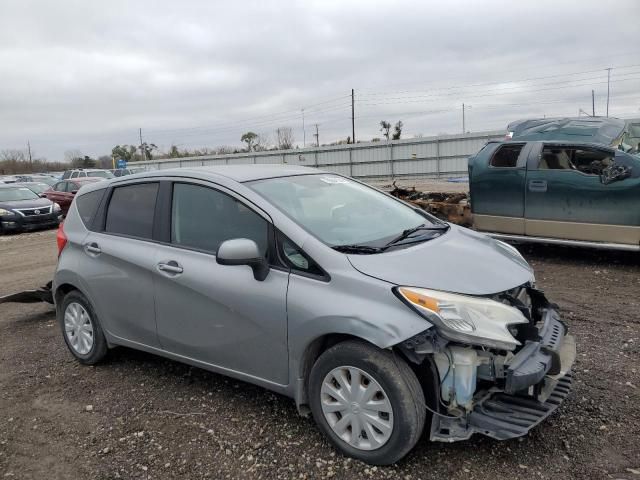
(140,416)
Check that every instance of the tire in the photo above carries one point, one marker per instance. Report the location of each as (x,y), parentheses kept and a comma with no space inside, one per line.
(81,329)
(359,363)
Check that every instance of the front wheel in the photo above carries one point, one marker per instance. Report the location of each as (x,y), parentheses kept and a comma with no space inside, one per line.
(367,401)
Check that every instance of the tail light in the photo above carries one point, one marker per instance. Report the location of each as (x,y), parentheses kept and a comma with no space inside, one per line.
(61,238)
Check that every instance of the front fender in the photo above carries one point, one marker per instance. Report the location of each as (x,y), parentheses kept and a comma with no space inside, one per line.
(352,305)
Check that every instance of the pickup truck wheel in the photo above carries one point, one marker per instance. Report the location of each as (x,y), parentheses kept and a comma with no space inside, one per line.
(81,330)
(367,402)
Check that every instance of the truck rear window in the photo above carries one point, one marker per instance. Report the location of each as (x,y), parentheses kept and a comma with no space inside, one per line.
(506,156)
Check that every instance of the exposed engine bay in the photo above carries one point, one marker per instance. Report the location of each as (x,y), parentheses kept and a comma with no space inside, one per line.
(499,392)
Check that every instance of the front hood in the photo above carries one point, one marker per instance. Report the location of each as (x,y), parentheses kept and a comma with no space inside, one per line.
(461,261)
(35,203)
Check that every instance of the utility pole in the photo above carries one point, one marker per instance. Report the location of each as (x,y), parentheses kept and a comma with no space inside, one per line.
(29,149)
(463,126)
(304,132)
(353,118)
(593,103)
(608,82)
(317,136)
(142,152)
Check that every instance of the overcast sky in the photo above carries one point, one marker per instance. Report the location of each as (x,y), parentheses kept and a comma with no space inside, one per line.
(85,75)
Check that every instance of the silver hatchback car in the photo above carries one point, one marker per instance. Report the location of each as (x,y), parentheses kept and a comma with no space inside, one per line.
(376,317)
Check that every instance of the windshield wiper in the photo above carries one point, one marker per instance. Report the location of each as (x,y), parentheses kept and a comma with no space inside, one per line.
(357,249)
(410,231)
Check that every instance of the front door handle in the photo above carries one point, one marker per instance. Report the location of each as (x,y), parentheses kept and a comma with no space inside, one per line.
(171,267)
(93,247)
(538,186)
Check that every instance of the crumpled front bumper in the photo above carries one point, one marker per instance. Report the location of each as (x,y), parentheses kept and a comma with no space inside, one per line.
(536,381)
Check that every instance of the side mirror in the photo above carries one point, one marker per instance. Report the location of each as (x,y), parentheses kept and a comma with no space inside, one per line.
(73,192)
(42,195)
(242,251)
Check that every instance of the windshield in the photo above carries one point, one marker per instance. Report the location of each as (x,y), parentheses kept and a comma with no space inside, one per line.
(339,211)
(101,174)
(16,194)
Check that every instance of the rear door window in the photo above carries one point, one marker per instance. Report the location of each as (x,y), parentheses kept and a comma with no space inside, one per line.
(203,218)
(131,210)
(507,155)
(88,205)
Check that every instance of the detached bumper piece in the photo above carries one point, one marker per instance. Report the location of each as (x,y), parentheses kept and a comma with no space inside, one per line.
(507,416)
(501,416)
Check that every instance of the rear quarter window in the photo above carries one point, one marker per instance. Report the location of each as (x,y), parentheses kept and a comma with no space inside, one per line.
(131,210)
(506,156)
(88,206)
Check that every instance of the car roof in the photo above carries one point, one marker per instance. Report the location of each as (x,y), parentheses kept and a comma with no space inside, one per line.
(239,173)
(83,179)
(601,130)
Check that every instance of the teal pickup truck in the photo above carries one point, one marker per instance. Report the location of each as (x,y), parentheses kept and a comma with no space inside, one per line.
(566,191)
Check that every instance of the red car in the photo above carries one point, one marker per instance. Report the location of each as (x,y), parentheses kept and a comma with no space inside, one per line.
(63,192)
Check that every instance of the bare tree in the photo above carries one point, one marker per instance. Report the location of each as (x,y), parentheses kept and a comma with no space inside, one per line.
(224,150)
(262,142)
(285,138)
(12,155)
(71,155)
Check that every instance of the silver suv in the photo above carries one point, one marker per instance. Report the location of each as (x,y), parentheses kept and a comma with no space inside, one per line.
(374,316)
(87,172)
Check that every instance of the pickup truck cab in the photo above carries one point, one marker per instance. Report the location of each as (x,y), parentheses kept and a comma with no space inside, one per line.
(557,192)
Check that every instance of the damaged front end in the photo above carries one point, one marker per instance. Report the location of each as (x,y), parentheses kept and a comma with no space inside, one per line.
(507,371)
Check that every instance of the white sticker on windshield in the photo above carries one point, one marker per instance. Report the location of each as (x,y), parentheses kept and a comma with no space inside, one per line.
(334,180)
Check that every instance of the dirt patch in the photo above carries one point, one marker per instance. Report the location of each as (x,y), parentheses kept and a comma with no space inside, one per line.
(140,416)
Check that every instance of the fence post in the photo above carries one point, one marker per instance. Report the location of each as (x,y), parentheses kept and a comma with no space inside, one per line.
(393,170)
(437,158)
(350,162)
(255,159)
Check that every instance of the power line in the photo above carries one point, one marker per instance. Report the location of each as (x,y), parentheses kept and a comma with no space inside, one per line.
(536,67)
(399,100)
(502,82)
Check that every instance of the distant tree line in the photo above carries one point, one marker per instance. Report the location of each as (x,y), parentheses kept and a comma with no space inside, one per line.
(13,162)
(16,161)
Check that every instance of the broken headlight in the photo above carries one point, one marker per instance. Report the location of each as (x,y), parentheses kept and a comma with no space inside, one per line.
(465,319)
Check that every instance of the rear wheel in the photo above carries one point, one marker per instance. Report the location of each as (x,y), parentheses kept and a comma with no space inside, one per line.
(80,329)
(368,402)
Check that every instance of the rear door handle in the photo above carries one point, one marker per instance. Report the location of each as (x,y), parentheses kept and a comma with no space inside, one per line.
(538,186)
(171,267)
(93,247)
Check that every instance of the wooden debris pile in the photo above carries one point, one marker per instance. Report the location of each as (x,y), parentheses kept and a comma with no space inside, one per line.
(451,207)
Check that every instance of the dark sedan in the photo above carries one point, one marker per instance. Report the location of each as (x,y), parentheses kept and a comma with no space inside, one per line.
(22,209)
(63,192)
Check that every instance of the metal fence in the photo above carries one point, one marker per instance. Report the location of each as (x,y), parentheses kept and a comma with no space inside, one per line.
(444,155)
